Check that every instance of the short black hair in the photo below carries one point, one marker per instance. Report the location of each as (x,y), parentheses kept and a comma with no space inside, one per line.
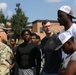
(13,37)
(45,21)
(72,38)
(37,37)
(33,34)
(26,30)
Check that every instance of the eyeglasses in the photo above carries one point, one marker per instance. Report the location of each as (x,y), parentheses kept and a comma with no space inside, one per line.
(46,26)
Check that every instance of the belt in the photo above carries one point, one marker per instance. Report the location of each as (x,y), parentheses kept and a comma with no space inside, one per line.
(26,67)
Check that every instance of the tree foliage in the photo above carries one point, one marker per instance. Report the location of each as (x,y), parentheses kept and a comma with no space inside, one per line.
(2,17)
(18,21)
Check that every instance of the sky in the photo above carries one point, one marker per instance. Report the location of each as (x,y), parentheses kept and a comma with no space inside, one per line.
(36,9)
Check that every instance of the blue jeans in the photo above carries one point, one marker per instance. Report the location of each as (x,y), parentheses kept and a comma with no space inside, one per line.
(44,73)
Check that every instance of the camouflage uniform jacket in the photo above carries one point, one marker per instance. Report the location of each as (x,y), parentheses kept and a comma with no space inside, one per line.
(6,57)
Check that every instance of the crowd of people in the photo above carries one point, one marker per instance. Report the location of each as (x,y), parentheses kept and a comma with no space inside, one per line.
(55,54)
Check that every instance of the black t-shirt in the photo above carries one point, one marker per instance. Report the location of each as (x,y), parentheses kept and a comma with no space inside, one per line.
(27,54)
(52,57)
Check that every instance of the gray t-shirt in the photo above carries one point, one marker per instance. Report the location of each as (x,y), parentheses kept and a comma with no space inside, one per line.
(67,60)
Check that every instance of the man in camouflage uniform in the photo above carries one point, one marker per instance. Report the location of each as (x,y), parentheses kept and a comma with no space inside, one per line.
(6,54)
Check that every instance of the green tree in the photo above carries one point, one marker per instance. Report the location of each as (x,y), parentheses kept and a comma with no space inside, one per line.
(18,21)
(2,17)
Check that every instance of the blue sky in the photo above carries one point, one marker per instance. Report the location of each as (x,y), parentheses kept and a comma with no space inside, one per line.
(36,9)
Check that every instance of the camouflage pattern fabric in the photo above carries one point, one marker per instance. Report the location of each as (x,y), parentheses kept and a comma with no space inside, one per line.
(6,57)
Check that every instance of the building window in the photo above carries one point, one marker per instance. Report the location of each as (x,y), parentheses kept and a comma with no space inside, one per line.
(41,30)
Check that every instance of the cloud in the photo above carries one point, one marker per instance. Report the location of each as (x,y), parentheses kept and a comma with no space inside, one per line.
(53,0)
(3,6)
